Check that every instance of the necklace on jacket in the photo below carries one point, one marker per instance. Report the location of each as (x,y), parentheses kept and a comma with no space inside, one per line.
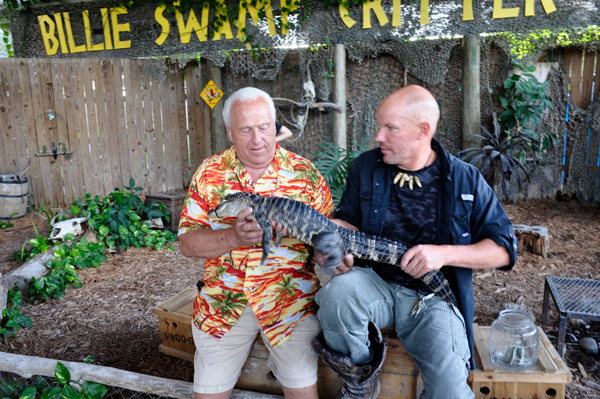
(403,177)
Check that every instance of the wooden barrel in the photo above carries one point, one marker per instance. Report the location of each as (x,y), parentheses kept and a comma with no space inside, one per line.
(13,197)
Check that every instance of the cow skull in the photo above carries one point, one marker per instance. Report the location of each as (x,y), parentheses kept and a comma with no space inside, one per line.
(61,229)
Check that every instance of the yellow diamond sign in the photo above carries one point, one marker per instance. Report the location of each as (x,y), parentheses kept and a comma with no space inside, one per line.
(211,94)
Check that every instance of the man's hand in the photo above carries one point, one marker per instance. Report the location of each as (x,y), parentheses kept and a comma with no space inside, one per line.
(246,232)
(422,259)
(344,266)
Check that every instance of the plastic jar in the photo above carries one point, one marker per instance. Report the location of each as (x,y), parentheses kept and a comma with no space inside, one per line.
(514,341)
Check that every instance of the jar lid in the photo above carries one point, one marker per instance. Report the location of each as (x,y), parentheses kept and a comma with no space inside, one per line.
(514,317)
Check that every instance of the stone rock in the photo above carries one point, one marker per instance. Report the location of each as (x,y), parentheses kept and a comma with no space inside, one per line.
(588,345)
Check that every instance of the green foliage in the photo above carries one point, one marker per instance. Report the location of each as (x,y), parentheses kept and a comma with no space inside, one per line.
(37,246)
(526,44)
(525,100)
(334,163)
(11,316)
(63,388)
(495,156)
(116,219)
(63,275)
(5,225)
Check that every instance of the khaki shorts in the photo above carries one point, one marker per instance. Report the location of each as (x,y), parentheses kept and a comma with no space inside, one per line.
(218,363)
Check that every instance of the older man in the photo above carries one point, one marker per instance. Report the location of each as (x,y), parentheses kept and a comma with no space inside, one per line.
(411,190)
(242,297)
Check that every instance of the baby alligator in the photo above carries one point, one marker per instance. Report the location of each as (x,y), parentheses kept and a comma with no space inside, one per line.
(311,227)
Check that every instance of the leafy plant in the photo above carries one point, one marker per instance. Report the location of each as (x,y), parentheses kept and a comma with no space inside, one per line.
(38,245)
(80,255)
(334,163)
(64,387)
(525,100)
(5,225)
(12,320)
(117,219)
(497,156)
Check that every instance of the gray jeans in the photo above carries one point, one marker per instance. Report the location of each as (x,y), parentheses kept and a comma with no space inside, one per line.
(436,337)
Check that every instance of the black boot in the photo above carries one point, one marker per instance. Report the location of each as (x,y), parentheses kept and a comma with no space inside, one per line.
(361,381)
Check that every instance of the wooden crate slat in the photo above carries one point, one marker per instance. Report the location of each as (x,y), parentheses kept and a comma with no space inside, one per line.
(41,129)
(104,124)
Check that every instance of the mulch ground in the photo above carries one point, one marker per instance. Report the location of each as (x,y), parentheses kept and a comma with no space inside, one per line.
(111,316)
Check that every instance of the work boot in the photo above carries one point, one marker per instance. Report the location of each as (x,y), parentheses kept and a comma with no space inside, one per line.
(361,381)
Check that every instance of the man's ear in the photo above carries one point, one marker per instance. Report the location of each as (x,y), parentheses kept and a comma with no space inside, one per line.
(424,128)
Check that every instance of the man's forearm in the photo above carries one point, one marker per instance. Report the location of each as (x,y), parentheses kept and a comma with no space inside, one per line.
(485,254)
(208,244)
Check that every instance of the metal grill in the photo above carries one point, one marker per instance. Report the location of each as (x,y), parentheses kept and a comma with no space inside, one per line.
(575,298)
(576,295)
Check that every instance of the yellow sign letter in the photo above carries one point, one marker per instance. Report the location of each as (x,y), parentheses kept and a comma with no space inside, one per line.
(500,12)
(106,25)
(424,12)
(88,33)
(530,9)
(468,10)
(287,6)
(117,28)
(185,30)
(225,28)
(396,16)
(74,48)
(48,27)
(164,24)
(374,5)
(260,4)
(345,15)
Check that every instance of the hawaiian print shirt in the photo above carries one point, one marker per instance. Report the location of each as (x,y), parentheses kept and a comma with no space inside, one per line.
(281,292)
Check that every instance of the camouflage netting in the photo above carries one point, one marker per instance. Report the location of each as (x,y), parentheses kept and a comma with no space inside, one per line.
(319,25)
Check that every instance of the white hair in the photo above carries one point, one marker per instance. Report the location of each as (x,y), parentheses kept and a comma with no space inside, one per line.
(246,94)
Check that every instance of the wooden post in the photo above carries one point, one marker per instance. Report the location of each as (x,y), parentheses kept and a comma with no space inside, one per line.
(218,132)
(471,115)
(339,96)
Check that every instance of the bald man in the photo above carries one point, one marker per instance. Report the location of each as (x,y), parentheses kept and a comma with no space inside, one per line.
(411,190)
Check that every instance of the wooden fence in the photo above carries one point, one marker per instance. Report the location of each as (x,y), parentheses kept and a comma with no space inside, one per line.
(111,119)
(583,73)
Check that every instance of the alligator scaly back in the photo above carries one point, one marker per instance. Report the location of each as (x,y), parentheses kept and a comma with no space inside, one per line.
(311,227)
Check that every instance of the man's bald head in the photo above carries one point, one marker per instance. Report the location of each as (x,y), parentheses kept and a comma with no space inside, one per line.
(417,104)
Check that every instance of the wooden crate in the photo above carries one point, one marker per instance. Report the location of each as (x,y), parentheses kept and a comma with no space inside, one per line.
(175,321)
(398,376)
(546,380)
(173,200)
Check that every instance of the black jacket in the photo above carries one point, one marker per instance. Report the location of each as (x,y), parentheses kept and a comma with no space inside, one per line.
(468,211)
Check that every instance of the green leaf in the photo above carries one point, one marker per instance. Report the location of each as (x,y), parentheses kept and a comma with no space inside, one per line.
(89,360)
(28,393)
(94,390)
(61,373)
(69,237)
(53,393)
